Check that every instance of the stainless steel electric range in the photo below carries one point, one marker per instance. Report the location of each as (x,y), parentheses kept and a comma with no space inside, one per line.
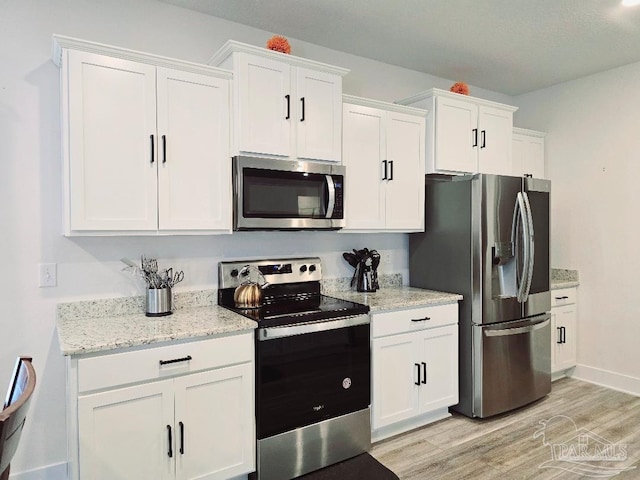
(313,384)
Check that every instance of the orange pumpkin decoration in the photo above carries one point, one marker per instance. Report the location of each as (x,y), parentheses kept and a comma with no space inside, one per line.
(460,87)
(279,44)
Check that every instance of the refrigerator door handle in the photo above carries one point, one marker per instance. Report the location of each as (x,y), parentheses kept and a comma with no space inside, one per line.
(520,219)
(530,240)
(517,330)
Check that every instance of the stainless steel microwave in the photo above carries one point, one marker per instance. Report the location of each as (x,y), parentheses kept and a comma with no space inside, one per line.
(284,195)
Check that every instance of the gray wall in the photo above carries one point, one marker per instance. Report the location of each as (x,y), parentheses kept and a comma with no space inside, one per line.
(592,153)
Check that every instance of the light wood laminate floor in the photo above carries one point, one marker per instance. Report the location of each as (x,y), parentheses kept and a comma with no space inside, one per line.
(506,447)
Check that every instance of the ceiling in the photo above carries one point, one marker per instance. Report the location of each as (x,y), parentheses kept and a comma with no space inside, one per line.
(508,46)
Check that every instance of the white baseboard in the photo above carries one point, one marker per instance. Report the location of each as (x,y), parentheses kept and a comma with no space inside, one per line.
(56,471)
(606,378)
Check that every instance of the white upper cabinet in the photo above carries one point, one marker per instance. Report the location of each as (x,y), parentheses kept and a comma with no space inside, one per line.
(528,153)
(285,106)
(194,170)
(383,151)
(146,142)
(465,134)
(111,121)
(263,105)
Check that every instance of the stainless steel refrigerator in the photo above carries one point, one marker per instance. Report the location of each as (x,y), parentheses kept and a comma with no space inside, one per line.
(487,238)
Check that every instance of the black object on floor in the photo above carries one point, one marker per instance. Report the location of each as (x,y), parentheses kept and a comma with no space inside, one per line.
(362,467)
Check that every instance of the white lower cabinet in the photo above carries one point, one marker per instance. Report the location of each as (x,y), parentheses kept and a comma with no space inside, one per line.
(563,330)
(414,367)
(192,425)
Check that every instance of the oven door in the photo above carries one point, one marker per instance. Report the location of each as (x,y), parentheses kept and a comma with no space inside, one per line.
(308,373)
(283,195)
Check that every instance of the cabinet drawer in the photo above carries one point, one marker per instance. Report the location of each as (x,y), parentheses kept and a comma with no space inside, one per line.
(115,369)
(400,321)
(563,296)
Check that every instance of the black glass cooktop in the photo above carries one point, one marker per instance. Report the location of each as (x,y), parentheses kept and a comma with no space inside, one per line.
(292,309)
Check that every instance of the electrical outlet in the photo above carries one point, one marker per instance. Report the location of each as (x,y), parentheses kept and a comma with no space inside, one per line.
(47,275)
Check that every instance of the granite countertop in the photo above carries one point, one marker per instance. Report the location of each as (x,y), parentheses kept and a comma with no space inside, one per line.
(564,278)
(109,324)
(389,298)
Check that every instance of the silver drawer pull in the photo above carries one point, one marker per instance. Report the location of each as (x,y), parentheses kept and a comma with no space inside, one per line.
(420,319)
(176,360)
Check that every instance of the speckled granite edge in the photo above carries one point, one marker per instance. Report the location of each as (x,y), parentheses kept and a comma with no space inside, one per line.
(564,278)
(114,307)
(386,280)
(564,275)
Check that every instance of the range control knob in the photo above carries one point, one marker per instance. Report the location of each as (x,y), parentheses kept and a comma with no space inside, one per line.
(234,273)
(312,268)
(303,268)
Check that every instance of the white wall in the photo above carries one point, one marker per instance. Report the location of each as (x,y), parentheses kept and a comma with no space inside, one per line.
(592,151)
(30,185)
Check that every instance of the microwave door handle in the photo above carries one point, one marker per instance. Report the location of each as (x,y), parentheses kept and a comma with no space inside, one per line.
(331,198)
(531,242)
(519,219)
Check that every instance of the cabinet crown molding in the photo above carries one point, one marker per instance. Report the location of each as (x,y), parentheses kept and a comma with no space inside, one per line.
(530,133)
(436,92)
(61,43)
(231,47)
(387,106)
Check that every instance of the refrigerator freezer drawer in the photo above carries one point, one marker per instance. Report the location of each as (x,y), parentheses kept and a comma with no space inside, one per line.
(513,364)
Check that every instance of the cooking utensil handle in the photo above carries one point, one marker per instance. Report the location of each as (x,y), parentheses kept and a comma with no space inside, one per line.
(176,360)
(288,98)
(170,452)
(153,149)
(417,382)
(302,101)
(164,149)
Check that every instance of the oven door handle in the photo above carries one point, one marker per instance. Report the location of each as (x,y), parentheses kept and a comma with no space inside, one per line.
(270,333)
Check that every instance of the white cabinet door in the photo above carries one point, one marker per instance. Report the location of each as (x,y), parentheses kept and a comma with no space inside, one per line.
(112,144)
(214,423)
(363,152)
(194,164)
(124,433)
(318,117)
(494,140)
(405,189)
(439,381)
(528,154)
(456,135)
(395,379)
(265,105)
(383,151)
(563,337)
